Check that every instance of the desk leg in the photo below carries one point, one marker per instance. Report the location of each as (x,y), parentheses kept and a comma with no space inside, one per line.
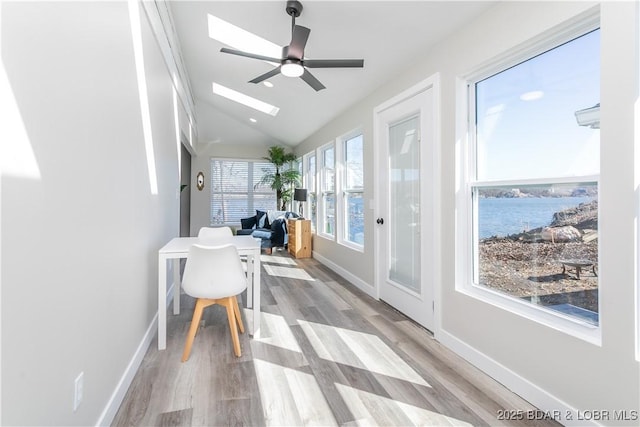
(176,286)
(256,294)
(250,275)
(162,302)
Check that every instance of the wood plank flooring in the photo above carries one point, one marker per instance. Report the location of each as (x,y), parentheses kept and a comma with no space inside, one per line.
(329,355)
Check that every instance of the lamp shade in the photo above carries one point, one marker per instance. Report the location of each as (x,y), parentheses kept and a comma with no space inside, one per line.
(300,194)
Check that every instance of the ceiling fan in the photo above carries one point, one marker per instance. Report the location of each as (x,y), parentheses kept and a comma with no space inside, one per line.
(292,63)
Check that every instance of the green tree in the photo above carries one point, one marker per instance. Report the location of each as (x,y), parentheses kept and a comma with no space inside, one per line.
(283,179)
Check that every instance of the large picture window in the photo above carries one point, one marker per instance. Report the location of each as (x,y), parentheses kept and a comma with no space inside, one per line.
(236,192)
(532,181)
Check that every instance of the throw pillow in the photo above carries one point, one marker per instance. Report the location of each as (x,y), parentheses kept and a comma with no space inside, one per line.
(261,219)
(248,223)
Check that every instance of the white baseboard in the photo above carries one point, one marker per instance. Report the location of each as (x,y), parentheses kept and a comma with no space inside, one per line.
(538,397)
(354,280)
(111,409)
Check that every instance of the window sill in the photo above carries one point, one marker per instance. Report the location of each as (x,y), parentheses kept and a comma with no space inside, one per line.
(353,246)
(327,236)
(554,320)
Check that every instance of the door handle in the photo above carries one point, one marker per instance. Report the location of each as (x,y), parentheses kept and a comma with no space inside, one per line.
(380,221)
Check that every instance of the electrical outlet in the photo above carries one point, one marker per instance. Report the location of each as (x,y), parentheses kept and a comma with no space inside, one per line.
(78,391)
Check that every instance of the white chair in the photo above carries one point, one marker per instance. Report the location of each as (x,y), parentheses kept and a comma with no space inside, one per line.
(214,275)
(210,232)
(215,232)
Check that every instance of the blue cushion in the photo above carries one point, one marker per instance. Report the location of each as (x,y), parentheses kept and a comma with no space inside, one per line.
(263,234)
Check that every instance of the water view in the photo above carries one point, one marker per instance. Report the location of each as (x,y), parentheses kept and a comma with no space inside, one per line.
(502,216)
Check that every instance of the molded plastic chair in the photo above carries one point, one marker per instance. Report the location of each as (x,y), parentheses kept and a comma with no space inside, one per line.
(215,232)
(205,232)
(214,275)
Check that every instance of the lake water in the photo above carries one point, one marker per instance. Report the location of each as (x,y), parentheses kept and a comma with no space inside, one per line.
(501,216)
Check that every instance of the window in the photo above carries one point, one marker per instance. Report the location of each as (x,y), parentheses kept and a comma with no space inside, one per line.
(235,192)
(310,185)
(327,220)
(352,184)
(293,205)
(530,204)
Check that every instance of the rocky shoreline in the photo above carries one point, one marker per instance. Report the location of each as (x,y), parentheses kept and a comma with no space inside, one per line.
(528,264)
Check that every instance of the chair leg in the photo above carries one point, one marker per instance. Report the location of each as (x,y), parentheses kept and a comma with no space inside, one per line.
(195,321)
(236,310)
(228,303)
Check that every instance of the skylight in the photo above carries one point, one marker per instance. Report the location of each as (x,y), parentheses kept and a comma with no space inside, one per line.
(240,39)
(241,98)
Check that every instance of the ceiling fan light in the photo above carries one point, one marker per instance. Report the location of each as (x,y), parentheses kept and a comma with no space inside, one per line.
(292,70)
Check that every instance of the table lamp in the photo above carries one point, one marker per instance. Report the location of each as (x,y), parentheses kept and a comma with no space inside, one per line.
(300,195)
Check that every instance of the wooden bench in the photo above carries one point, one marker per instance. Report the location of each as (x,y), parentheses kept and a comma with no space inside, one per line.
(577,265)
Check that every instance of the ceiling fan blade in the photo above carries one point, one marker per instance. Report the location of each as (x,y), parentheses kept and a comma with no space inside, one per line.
(334,63)
(250,55)
(266,75)
(312,81)
(298,41)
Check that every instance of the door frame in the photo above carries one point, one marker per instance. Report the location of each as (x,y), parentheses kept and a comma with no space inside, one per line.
(432,175)
(185,195)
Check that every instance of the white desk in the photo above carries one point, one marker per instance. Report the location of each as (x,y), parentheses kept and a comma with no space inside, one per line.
(178,248)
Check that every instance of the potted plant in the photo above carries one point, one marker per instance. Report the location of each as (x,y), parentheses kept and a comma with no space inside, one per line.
(282,179)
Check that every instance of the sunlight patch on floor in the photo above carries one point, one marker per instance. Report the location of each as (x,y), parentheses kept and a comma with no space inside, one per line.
(277,260)
(288,272)
(360,350)
(291,397)
(371,409)
(275,331)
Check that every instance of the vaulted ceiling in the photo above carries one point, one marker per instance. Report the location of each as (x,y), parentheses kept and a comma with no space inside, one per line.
(388,35)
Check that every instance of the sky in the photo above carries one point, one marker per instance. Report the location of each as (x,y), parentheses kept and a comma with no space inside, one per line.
(526,124)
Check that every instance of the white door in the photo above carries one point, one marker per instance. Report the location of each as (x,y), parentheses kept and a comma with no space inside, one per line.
(406,210)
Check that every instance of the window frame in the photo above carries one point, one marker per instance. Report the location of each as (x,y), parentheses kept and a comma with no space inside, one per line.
(310,210)
(341,184)
(466,240)
(322,193)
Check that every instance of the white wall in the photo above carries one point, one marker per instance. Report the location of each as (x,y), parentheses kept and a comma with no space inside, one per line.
(356,263)
(548,367)
(81,222)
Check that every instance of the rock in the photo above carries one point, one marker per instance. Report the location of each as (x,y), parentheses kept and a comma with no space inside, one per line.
(560,234)
(583,216)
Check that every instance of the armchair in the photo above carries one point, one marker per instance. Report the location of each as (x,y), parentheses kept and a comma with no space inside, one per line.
(270,226)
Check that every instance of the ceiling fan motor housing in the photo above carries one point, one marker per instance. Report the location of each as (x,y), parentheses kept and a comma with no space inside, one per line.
(294,8)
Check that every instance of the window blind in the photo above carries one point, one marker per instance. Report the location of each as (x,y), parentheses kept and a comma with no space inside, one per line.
(236,192)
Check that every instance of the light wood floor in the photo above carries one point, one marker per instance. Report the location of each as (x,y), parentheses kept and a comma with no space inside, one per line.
(329,355)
